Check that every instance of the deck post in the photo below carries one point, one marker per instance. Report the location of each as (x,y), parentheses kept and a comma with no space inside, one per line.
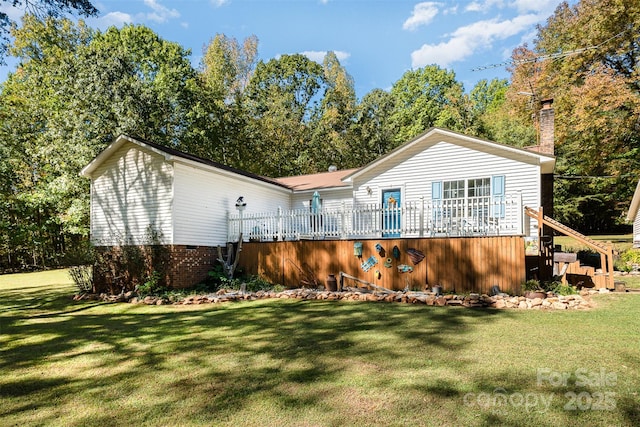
(610,268)
(343,228)
(421,216)
(540,220)
(279,224)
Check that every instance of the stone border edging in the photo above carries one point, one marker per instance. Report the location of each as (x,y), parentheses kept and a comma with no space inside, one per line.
(580,301)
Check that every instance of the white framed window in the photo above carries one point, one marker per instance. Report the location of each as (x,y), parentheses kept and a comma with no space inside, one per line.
(478,197)
(453,189)
(480,187)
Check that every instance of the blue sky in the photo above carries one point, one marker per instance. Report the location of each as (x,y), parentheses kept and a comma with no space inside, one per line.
(377,40)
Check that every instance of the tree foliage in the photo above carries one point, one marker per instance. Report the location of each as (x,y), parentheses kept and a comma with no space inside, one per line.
(41,9)
(73,92)
(218,112)
(593,77)
(423,98)
(331,134)
(282,101)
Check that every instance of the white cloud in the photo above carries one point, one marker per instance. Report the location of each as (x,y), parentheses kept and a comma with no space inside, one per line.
(453,10)
(318,55)
(117,19)
(521,6)
(543,6)
(485,6)
(218,3)
(423,14)
(474,6)
(468,39)
(160,13)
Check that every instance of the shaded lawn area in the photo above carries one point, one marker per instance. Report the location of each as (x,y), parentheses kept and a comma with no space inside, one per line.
(290,362)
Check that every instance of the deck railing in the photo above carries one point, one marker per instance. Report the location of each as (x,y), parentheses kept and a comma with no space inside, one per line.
(473,216)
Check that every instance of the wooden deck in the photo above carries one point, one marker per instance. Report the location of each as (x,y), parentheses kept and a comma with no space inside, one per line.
(460,264)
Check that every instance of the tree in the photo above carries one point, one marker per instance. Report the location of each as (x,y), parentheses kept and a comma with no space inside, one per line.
(282,100)
(39,198)
(73,92)
(41,9)
(331,138)
(372,132)
(592,76)
(424,98)
(495,118)
(131,81)
(219,112)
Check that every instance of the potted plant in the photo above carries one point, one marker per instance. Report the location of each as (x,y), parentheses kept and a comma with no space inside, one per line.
(532,289)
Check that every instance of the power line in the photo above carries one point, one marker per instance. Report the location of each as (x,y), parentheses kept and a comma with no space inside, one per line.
(540,58)
(584,176)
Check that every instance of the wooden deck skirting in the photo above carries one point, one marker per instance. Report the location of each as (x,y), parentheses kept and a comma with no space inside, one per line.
(460,264)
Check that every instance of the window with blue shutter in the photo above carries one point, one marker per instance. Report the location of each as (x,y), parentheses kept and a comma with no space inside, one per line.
(436,197)
(497,193)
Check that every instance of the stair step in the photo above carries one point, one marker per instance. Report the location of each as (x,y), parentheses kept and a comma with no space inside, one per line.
(585,269)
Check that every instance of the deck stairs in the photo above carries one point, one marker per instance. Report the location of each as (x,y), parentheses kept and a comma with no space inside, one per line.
(566,266)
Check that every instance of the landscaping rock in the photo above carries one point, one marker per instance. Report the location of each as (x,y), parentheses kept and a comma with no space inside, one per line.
(559,305)
(499,304)
(536,302)
(472,300)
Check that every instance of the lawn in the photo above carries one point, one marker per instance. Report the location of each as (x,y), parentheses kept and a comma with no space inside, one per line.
(311,363)
(620,242)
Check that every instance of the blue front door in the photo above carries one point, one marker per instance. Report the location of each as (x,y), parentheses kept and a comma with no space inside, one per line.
(391,219)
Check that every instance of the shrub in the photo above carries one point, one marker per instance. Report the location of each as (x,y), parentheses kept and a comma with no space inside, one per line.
(217,279)
(152,286)
(532,285)
(562,289)
(257,283)
(82,276)
(628,260)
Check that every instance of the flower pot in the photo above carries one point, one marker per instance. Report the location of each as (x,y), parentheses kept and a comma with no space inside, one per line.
(436,290)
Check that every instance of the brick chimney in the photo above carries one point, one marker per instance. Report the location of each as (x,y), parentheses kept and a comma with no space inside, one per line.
(547,127)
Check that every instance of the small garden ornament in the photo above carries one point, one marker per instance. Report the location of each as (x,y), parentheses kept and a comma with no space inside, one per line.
(370,262)
(404,268)
(415,255)
(357,249)
(396,252)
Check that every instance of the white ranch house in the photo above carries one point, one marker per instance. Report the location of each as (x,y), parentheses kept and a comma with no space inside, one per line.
(441,183)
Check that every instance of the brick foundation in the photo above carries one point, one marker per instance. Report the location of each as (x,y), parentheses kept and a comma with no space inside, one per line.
(181,266)
(190,265)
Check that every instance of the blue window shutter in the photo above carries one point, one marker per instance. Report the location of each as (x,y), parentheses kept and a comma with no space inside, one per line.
(436,203)
(436,190)
(497,192)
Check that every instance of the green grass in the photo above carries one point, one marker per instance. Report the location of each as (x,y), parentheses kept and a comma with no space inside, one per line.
(620,242)
(305,363)
(631,282)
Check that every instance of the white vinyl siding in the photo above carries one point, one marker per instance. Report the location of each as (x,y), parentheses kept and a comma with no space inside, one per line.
(331,198)
(445,161)
(204,198)
(636,230)
(130,193)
